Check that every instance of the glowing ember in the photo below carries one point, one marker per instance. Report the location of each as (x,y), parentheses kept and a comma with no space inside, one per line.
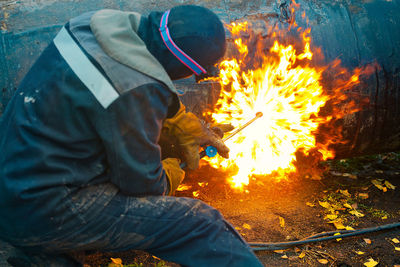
(287,89)
(183,187)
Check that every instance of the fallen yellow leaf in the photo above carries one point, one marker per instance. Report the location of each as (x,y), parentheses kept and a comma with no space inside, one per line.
(363,195)
(331,216)
(347,205)
(310,204)
(339,225)
(323,261)
(302,254)
(338,239)
(196,193)
(367,240)
(377,184)
(284,257)
(345,192)
(384,217)
(325,204)
(397,248)
(281,222)
(351,176)
(356,213)
(395,240)
(116,261)
(349,228)
(371,263)
(360,252)
(384,189)
(246,226)
(280,251)
(337,207)
(389,185)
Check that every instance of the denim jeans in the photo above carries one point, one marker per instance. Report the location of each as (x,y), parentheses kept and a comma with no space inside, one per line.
(182,230)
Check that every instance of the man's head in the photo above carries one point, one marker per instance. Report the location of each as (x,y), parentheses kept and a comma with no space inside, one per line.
(187,39)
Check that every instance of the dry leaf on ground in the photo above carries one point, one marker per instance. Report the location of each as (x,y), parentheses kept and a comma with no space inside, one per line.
(367,240)
(338,223)
(347,205)
(351,176)
(378,184)
(371,263)
(389,185)
(395,240)
(338,239)
(363,195)
(356,213)
(331,216)
(302,254)
(310,204)
(345,192)
(325,204)
(323,261)
(116,260)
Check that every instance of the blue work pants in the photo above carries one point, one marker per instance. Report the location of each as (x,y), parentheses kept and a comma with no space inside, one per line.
(182,230)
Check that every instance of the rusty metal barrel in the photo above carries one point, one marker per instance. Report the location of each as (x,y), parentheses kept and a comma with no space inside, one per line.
(360,33)
(357,32)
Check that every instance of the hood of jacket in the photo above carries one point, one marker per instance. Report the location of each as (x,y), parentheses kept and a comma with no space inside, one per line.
(116,32)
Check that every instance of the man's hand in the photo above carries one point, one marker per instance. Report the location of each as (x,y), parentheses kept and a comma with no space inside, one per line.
(191,133)
(174,173)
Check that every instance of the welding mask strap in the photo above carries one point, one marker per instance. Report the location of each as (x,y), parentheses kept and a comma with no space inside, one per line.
(175,50)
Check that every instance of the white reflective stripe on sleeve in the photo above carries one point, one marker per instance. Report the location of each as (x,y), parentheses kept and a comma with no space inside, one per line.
(84,69)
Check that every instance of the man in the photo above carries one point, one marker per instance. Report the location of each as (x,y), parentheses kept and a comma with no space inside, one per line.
(80,167)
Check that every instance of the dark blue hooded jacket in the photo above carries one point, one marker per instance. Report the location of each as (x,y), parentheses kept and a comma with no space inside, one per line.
(59,135)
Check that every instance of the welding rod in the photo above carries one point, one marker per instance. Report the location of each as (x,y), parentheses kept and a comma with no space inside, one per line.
(211,151)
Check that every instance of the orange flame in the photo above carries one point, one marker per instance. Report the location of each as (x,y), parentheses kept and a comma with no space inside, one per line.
(286,87)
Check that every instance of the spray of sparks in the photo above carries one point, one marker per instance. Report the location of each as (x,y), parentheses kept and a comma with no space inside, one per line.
(286,87)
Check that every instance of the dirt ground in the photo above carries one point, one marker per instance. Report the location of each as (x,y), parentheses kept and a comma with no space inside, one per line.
(291,210)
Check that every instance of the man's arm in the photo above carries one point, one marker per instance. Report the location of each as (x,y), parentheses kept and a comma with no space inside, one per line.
(130,137)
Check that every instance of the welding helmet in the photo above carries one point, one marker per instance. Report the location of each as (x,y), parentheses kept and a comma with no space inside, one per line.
(186,40)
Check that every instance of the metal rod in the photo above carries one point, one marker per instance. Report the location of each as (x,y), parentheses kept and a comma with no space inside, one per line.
(258,115)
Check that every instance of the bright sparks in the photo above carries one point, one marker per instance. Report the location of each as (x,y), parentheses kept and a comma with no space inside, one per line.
(286,88)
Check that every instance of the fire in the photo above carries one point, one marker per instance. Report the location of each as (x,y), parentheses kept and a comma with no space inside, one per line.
(286,87)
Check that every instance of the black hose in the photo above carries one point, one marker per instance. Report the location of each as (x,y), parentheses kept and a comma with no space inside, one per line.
(313,239)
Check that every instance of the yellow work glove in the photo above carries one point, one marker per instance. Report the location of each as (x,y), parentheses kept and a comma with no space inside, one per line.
(174,173)
(190,134)
(221,129)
